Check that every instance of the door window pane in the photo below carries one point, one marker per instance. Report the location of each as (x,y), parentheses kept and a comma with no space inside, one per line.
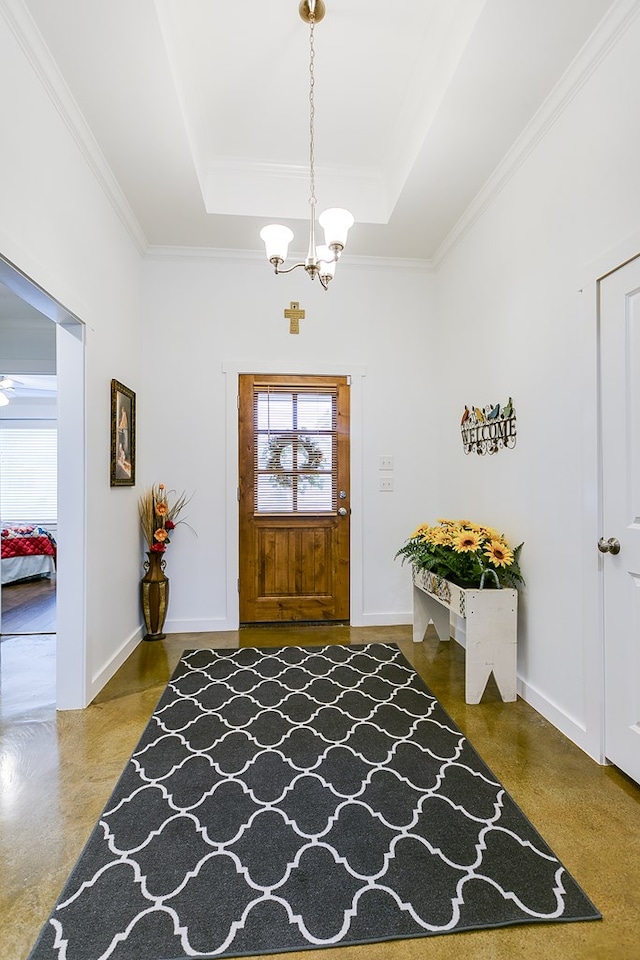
(294,452)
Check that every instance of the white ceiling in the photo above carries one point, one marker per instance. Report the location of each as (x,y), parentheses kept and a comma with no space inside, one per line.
(200,108)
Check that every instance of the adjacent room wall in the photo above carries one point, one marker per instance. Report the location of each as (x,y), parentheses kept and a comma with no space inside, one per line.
(516,312)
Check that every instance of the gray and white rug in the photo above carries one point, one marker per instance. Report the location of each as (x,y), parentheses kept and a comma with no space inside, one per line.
(292,798)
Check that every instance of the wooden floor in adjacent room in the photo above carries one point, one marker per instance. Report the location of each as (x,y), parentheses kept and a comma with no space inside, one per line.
(29,606)
(58,770)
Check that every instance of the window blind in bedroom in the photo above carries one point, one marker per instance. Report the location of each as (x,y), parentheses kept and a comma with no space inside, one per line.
(28,472)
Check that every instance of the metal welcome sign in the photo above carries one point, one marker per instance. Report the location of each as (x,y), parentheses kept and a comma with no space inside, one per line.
(488,429)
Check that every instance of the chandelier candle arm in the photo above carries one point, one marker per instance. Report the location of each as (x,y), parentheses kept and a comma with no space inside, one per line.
(336,222)
(326,265)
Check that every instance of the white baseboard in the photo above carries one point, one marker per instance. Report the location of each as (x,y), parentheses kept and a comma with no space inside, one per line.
(200,626)
(562,721)
(105,674)
(381,619)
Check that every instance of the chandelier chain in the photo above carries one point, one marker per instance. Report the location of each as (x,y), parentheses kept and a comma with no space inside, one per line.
(312,113)
(320,262)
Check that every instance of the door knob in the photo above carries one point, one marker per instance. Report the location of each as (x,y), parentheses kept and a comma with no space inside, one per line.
(609,546)
(342,512)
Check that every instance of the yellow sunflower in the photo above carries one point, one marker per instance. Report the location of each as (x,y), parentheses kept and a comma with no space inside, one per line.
(499,553)
(420,531)
(440,536)
(466,541)
(490,533)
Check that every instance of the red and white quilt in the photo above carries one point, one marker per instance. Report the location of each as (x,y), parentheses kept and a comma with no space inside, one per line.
(27,551)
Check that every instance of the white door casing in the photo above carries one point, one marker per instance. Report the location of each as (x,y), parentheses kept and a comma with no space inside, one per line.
(620,444)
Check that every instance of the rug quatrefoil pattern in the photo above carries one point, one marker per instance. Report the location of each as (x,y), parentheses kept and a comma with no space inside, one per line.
(301,798)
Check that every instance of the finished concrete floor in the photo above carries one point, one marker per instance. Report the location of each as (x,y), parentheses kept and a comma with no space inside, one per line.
(57,771)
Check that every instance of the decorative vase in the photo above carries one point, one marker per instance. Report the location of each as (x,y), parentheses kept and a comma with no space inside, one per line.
(154,594)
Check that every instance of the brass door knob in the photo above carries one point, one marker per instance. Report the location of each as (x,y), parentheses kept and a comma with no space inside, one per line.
(609,546)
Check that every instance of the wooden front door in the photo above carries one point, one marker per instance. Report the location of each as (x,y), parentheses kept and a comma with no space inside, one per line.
(294,498)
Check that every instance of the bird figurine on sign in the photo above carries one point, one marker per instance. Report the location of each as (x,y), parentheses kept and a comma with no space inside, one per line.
(465,415)
(480,417)
(508,409)
(493,413)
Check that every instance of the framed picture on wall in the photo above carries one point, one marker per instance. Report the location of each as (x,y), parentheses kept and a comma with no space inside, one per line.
(123,435)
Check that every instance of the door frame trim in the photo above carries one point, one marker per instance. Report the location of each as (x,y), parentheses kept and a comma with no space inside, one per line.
(232,371)
(73,683)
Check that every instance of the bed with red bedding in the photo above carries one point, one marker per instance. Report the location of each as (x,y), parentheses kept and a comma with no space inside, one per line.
(27,551)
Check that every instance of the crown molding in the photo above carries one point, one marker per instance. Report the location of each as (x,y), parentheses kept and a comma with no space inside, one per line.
(612,27)
(24,29)
(158,252)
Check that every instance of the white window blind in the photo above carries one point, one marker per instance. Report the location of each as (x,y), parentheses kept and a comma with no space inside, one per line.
(295,450)
(28,471)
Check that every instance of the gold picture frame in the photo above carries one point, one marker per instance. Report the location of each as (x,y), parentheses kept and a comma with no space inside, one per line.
(123,435)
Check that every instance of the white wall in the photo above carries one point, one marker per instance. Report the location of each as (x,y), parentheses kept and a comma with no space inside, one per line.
(59,228)
(515,322)
(203,315)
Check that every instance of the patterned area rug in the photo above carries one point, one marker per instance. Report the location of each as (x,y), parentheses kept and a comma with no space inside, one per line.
(283,799)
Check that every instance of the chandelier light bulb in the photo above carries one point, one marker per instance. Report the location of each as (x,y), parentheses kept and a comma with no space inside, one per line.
(336,224)
(276,240)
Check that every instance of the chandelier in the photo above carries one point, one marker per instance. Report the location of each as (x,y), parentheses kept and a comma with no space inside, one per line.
(321,260)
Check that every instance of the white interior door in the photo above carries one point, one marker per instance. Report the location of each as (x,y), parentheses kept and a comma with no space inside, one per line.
(620,410)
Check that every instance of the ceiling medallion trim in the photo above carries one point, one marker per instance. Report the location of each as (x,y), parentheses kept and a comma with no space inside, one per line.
(159,252)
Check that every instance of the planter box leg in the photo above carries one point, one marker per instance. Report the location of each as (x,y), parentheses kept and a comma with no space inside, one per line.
(504,671)
(491,646)
(476,675)
(425,610)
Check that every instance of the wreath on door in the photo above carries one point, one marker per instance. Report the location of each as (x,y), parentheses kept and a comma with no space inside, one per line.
(276,446)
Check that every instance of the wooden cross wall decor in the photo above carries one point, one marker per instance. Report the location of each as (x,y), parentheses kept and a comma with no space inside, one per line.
(294,315)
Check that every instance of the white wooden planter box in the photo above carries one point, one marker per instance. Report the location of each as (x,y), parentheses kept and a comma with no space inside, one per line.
(491,626)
